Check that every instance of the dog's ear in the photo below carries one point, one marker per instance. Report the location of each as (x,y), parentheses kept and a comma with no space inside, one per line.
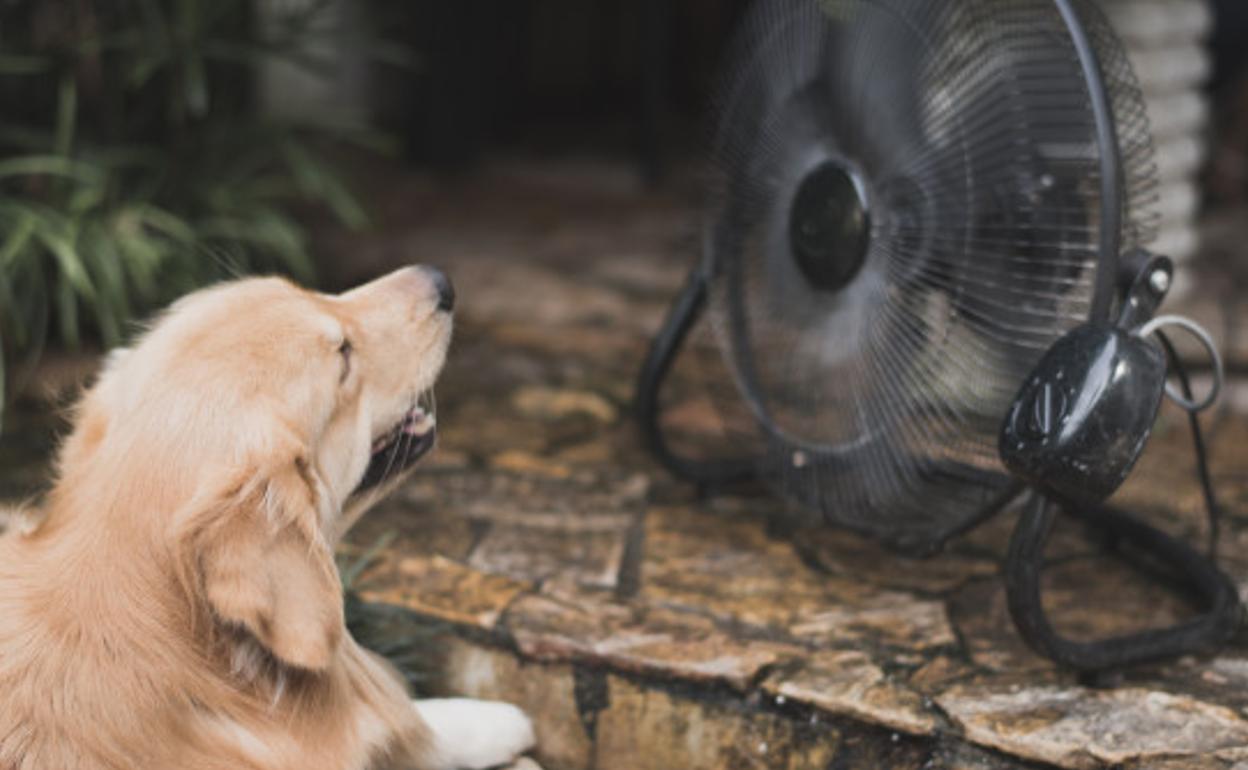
(264,564)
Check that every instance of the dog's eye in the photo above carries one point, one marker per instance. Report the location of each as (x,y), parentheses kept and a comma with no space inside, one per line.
(345,350)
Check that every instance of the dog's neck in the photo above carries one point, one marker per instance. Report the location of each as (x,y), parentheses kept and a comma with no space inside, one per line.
(99,556)
(108,578)
(110,595)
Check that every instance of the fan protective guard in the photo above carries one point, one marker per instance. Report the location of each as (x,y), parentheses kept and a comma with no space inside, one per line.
(905,214)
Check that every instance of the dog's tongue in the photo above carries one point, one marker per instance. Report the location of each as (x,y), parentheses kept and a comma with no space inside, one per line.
(418,422)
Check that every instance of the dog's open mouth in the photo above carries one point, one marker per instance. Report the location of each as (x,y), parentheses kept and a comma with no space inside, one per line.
(399,448)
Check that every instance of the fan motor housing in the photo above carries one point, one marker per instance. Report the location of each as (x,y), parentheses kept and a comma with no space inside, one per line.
(1082,419)
(830,226)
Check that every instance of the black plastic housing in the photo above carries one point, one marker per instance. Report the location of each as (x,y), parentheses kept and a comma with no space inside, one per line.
(1081,420)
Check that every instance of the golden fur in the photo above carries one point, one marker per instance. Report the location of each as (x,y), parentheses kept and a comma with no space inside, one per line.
(178,606)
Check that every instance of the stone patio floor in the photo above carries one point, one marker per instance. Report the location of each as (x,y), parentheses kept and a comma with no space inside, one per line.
(645,628)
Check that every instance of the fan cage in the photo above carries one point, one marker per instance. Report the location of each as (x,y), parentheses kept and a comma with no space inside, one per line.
(969,125)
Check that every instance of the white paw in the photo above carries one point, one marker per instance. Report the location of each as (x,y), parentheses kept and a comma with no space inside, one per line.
(474,734)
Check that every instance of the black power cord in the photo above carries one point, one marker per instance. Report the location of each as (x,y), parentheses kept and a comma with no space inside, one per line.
(1212,509)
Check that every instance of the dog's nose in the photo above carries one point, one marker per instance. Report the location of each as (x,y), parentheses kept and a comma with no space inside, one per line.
(444,287)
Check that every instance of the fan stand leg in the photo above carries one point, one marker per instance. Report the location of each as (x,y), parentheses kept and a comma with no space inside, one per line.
(685,311)
(1025,564)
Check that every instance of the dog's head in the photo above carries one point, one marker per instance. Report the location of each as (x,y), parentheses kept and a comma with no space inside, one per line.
(247,420)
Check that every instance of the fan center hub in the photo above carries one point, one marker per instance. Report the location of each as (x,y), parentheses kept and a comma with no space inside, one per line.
(830,226)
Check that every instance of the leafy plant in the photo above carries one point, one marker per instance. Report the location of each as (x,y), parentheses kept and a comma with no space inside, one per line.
(132,167)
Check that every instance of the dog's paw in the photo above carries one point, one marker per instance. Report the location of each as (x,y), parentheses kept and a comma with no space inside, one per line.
(474,734)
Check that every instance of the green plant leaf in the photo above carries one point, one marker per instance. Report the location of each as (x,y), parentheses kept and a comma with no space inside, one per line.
(318,182)
(145,68)
(112,305)
(83,199)
(67,311)
(111,41)
(29,304)
(19,237)
(3,378)
(66,115)
(164,222)
(10,316)
(141,263)
(27,138)
(24,64)
(51,165)
(197,94)
(255,54)
(153,185)
(61,246)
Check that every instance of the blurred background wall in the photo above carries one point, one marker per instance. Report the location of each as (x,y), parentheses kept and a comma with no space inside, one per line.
(544,73)
(635,76)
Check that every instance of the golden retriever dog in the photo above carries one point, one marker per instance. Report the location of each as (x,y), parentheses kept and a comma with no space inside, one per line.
(175,605)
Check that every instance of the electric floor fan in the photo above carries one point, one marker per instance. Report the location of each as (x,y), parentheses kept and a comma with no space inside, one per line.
(924,262)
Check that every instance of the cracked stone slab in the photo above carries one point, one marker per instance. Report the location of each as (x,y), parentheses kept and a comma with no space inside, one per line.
(547,693)
(1087,598)
(941,673)
(529,499)
(650,729)
(1191,763)
(581,342)
(491,282)
(532,399)
(591,557)
(407,530)
(1222,679)
(493,433)
(528,463)
(558,403)
(889,618)
(537,528)
(848,555)
(731,570)
(638,639)
(1079,729)
(850,684)
(961,756)
(440,588)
